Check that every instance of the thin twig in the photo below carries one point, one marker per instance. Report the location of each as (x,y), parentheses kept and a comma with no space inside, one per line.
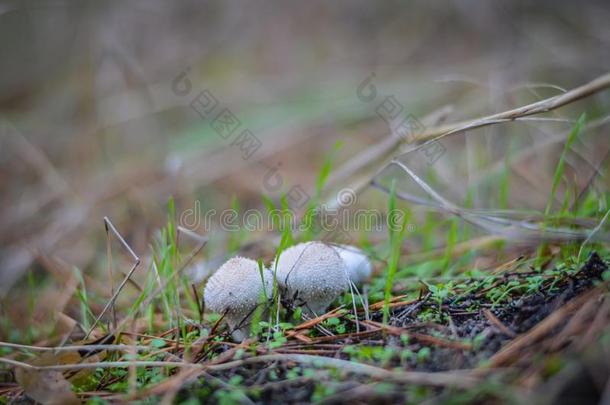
(127,277)
(498,324)
(511,352)
(431,340)
(163,285)
(110,268)
(199,303)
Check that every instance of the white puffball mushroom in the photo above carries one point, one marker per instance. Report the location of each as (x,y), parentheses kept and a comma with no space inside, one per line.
(313,273)
(235,290)
(359,267)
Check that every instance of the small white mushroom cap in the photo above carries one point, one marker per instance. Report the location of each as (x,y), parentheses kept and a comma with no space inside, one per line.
(359,267)
(236,289)
(314,273)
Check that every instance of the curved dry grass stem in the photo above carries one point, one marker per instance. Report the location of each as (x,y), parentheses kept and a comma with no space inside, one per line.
(74,348)
(542,106)
(376,153)
(382,151)
(508,224)
(456,379)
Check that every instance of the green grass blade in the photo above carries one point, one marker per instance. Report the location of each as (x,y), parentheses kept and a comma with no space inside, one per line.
(561,164)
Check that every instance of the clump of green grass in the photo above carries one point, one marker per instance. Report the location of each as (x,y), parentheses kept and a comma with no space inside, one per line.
(395,237)
(87,315)
(559,170)
(166,257)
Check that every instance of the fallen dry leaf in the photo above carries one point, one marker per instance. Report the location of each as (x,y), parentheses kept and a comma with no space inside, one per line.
(46,386)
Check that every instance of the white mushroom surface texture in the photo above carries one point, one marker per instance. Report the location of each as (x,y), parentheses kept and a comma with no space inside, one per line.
(236,288)
(313,274)
(359,267)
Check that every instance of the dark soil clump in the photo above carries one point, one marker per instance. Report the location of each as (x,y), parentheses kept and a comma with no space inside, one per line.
(463,316)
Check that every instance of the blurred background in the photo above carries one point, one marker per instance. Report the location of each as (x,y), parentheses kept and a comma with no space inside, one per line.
(103,112)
